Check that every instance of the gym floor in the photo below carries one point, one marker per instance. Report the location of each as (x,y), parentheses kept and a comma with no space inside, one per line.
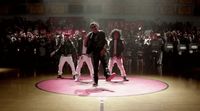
(18,93)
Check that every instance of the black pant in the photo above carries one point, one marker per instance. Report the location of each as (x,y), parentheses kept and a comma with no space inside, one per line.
(104,62)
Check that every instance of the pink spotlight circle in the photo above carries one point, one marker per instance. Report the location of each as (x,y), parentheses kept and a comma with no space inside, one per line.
(117,87)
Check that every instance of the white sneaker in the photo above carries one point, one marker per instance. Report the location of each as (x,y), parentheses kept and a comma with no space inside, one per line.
(76,78)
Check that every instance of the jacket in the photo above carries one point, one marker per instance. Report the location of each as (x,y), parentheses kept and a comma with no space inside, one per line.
(96,42)
(67,47)
(119,49)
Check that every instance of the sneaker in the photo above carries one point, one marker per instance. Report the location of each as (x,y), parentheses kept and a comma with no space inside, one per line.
(95,85)
(76,78)
(125,79)
(59,77)
(110,77)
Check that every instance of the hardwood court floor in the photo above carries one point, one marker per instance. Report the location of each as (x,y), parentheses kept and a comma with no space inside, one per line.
(18,93)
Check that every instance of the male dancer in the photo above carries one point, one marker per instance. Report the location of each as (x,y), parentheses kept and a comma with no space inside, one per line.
(96,46)
(66,49)
(116,46)
(83,56)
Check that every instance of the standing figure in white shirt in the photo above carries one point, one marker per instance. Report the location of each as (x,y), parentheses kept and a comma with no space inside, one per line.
(83,56)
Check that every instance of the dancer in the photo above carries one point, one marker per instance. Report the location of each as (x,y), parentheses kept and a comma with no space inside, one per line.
(96,46)
(83,56)
(116,47)
(66,49)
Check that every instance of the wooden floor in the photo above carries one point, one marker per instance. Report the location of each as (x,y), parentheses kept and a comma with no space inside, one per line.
(18,93)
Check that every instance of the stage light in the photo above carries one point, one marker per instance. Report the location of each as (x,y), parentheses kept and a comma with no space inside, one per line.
(193,48)
(140,28)
(181,48)
(158,34)
(5,70)
(169,46)
(35,51)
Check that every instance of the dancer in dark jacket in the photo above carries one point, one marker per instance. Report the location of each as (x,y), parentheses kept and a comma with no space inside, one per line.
(96,46)
(116,47)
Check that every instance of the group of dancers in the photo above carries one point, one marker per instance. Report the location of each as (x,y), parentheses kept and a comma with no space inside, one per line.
(94,49)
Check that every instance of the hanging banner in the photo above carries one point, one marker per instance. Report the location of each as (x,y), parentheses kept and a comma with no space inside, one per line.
(185,10)
(168,10)
(185,1)
(55,8)
(36,8)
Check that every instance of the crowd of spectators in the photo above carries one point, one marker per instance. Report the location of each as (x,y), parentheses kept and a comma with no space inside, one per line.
(27,43)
